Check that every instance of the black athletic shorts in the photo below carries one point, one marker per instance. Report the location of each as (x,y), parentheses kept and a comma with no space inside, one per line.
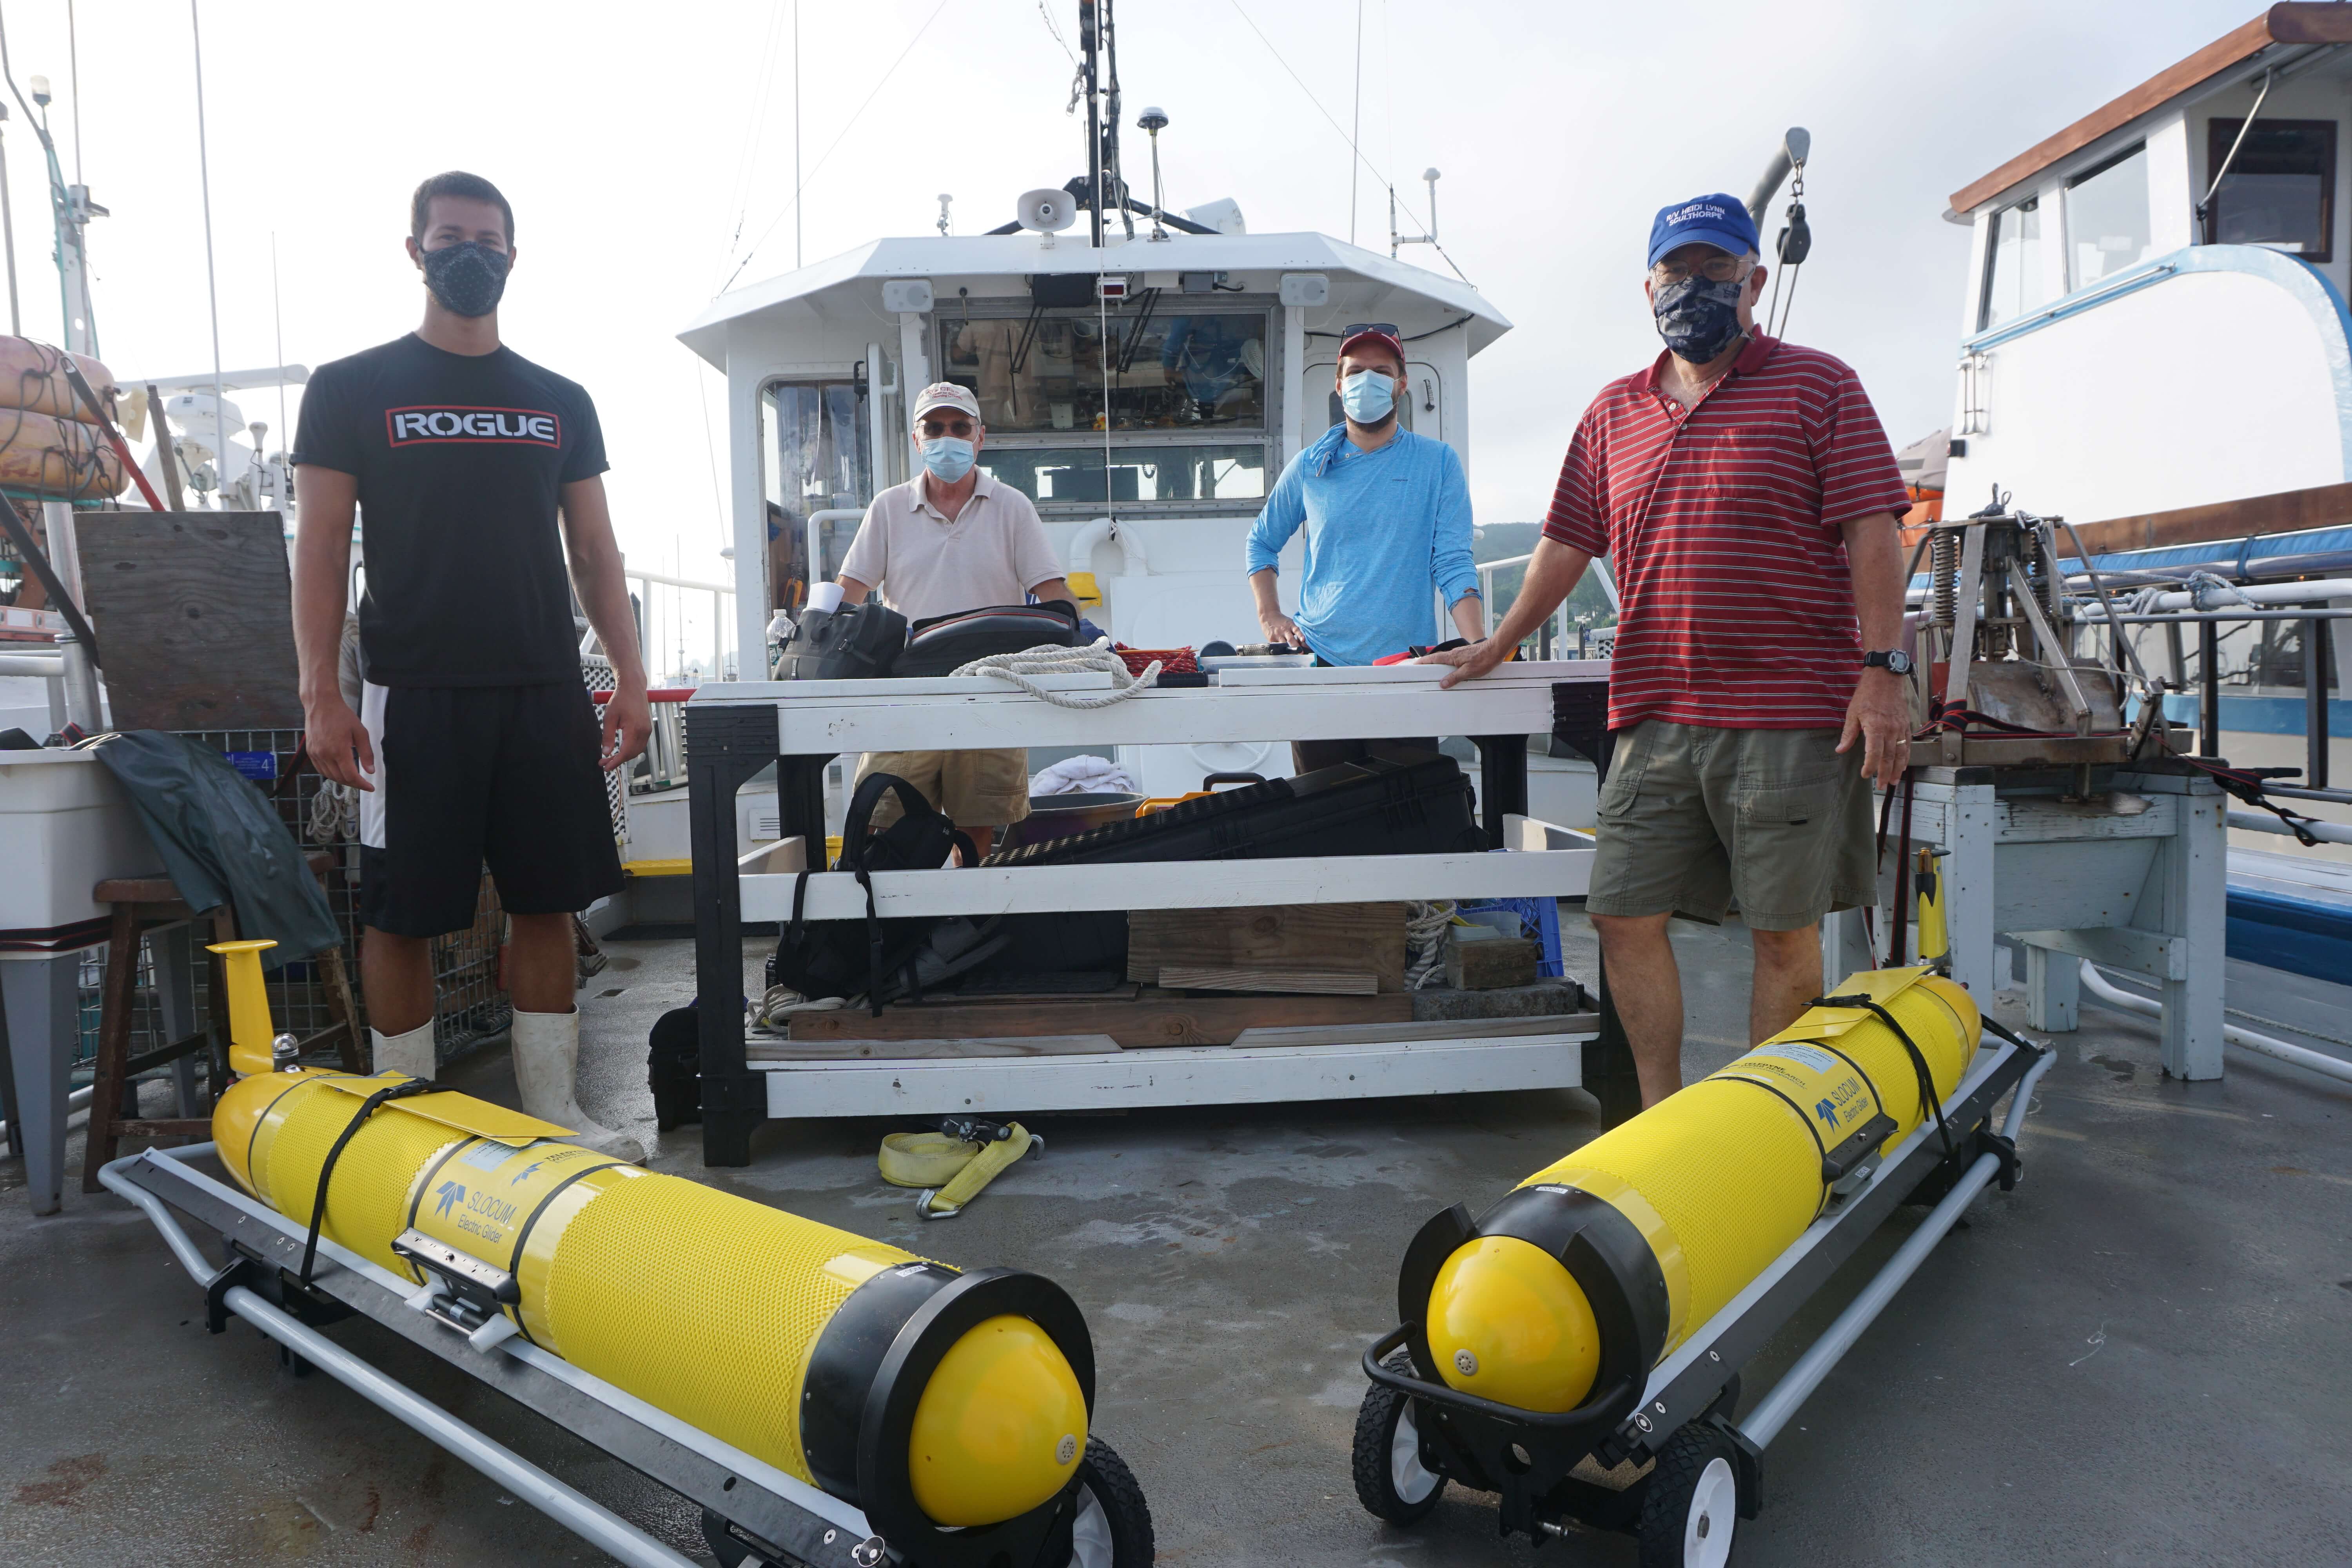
(468,776)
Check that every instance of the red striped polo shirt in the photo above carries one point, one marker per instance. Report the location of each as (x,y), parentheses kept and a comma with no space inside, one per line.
(1722,524)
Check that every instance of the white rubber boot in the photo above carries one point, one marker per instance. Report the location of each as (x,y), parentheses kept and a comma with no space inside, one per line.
(547,1065)
(411,1053)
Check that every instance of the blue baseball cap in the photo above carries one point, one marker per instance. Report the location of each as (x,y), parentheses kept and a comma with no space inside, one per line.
(1717,220)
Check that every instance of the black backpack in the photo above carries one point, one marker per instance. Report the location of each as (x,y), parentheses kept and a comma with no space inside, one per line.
(875,958)
(673,1066)
(855,642)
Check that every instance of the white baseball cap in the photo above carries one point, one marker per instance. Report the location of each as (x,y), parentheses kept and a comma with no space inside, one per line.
(944,395)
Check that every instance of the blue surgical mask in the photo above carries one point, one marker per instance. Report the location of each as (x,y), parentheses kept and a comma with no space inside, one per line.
(1368,396)
(947,458)
(1698,317)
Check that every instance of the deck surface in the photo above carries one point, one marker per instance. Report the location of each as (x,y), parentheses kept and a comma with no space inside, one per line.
(2137,1357)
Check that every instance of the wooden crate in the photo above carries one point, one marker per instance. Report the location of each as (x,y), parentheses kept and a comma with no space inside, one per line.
(1345,937)
(193,611)
(1149,1020)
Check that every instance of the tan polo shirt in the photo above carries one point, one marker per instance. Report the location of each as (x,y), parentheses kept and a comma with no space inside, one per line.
(923,565)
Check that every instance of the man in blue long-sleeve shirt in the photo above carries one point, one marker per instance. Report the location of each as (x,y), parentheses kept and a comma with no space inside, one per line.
(1387,515)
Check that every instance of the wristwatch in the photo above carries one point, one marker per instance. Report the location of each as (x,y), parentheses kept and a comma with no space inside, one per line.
(1895,661)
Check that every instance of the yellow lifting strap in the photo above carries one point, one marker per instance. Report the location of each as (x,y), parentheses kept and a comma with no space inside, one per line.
(956,1168)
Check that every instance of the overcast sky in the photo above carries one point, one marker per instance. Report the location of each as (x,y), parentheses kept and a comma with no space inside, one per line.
(646,148)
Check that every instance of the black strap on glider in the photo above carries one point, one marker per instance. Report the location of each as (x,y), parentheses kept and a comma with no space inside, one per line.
(1928,1095)
(335,1152)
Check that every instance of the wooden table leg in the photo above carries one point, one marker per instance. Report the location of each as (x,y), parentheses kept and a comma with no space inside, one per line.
(113,1043)
(339,998)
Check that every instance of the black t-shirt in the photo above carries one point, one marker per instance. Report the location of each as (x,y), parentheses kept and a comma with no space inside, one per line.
(460,460)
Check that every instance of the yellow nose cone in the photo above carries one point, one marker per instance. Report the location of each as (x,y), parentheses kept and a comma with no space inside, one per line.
(999,1427)
(1509,1323)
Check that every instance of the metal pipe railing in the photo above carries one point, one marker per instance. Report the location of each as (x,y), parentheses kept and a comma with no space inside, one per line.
(722,615)
(1556,630)
(2099,986)
(2326,832)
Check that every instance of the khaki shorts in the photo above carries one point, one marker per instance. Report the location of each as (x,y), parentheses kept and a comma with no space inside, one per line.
(978,789)
(1692,817)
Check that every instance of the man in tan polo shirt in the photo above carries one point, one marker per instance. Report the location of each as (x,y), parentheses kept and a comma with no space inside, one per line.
(951,538)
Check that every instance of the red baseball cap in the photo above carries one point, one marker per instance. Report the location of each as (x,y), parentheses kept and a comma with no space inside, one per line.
(1373,337)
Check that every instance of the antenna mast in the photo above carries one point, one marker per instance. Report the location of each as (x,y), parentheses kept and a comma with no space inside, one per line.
(1090,50)
(1116,173)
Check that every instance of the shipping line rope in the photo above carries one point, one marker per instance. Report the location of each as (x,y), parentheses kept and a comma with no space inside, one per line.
(1020,669)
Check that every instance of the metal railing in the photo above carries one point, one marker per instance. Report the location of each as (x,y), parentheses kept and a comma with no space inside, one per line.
(2316,623)
(685,628)
(663,767)
(1560,633)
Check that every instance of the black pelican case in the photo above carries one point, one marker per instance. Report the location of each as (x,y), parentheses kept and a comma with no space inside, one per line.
(942,645)
(1418,805)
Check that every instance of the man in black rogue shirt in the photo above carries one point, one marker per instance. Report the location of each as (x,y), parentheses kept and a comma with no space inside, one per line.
(475,740)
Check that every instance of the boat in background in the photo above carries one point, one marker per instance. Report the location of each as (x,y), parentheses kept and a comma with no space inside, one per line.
(2154,343)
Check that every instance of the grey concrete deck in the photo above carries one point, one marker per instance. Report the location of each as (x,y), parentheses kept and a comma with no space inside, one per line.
(2143,1356)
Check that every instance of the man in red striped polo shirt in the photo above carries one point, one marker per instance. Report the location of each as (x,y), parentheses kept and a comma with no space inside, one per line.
(1745,494)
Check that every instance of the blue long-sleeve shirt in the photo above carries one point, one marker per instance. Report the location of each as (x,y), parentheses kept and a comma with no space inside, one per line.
(1384,528)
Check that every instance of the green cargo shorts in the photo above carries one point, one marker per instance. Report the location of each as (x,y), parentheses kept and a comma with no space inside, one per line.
(1692,817)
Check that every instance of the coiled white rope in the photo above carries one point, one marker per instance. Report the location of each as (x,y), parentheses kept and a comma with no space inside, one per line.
(1424,941)
(334,813)
(1019,668)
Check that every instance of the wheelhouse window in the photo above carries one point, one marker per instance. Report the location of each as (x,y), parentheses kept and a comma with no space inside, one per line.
(2278,191)
(2012,265)
(1166,372)
(2107,219)
(1062,475)
(1182,393)
(815,458)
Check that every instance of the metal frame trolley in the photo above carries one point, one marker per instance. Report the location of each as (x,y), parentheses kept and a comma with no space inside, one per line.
(734,731)
(753,1512)
(1658,1452)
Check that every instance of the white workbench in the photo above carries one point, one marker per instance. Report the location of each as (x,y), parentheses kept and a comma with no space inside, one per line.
(733,730)
(2133,879)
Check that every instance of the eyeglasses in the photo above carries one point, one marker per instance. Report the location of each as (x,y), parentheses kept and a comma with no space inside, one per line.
(1716,268)
(933,427)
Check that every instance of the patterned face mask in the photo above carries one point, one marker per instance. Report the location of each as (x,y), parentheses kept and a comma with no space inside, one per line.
(1698,317)
(466,278)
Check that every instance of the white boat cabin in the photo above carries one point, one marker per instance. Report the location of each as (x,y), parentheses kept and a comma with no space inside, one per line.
(2155,310)
(1145,394)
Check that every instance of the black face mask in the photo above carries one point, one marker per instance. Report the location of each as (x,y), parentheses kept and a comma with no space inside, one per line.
(468,278)
(1698,319)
